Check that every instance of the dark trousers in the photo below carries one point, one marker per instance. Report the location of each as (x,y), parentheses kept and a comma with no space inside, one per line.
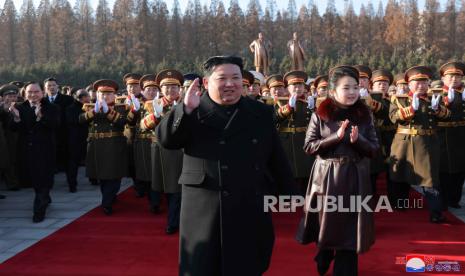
(398,193)
(140,186)
(451,188)
(42,194)
(109,189)
(152,196)
(71,172)
(345,261)
(174,206)
(434,203)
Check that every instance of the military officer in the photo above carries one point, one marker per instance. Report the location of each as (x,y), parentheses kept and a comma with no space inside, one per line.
(144,137)
(364,79)
(9,138)
(451,134)
(106,158)
(166,164)
(132,84)
(401,84)
(415,149)
(188,79)
(293,119)
(247,81)
(254,90)
(276,85)
(320,85)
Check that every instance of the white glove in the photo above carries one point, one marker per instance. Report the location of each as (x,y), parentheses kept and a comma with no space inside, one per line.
(363,92)
(451,94)
(415,101)
(104,106)
(435,102)
(310,102)
(157,108)
(400,91)
(463,96)
(175,103)
(129,100)
(97,107)
(158,95)
(135,103)
(292,100)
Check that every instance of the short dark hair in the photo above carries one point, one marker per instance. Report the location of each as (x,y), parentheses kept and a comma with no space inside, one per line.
(212,62)
(339,72)
(33,82)
(50,79)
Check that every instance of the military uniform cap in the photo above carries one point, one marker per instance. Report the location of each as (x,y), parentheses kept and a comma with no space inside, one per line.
(131,78)
(105,86)
(399,79)
(452,68)
(382,75)
(274,81)
(295,77)
(363,71)
(418,73)
(189,78)
(169,77)
(148,80)
(321,81)
(258,77)
(8,89)
(19,84)
(247,78)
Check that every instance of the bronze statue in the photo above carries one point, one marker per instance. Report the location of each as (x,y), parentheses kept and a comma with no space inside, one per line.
(297,53)
(261,49)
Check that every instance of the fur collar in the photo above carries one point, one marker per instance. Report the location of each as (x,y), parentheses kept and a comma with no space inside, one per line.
(358,113)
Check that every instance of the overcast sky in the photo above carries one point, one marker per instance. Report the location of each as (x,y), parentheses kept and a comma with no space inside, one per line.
(282,4)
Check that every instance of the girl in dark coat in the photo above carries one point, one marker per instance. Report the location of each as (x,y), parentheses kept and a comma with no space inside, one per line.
(342,136)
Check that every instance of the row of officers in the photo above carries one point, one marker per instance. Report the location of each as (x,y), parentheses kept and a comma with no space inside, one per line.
(419,123)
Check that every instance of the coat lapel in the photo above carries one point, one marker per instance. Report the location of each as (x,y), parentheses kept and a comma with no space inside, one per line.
(243,118)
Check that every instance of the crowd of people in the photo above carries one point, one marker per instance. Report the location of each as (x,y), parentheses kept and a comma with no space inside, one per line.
(222,141)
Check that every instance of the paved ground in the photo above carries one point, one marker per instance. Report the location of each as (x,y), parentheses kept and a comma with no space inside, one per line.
(17,232)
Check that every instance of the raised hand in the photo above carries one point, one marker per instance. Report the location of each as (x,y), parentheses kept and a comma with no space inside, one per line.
(310,102)
(342,129)
(14,111)
(97,106)
(435,102)
(104,106)
(451,94)
(292,100)
(192,97)
(415,101)
(135,103)
(157,108)
(354,134)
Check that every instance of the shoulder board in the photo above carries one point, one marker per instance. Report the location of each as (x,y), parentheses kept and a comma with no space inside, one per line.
(120,99)
(148,106)
(88,106)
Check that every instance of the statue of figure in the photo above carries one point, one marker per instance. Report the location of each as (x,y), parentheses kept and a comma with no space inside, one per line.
(297,53)
(261,49)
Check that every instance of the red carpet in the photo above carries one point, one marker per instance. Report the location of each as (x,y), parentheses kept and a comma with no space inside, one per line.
(132,242)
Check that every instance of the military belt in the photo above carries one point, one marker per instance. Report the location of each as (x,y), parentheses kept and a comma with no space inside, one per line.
(415,131)
(293,129)
(102,135)
(144,136)
(388,128)
(451,124)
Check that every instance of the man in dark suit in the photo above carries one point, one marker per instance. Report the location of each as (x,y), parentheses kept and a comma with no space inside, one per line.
(36,121)
(62,101)
(232,158)
(77,137)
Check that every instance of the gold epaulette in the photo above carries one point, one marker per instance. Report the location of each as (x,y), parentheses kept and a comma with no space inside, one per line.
(120,100)
(88,106)
(148,106)
(267,100)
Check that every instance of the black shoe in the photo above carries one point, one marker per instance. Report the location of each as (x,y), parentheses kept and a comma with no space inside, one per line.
(107,210)
(72,189)
(38,217)
(170,230)
(438,219)
(455,205)
(2,197)
(155,209)
(323,261)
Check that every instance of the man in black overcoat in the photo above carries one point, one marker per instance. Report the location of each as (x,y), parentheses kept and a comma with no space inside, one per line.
(232,158)
(36,121)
